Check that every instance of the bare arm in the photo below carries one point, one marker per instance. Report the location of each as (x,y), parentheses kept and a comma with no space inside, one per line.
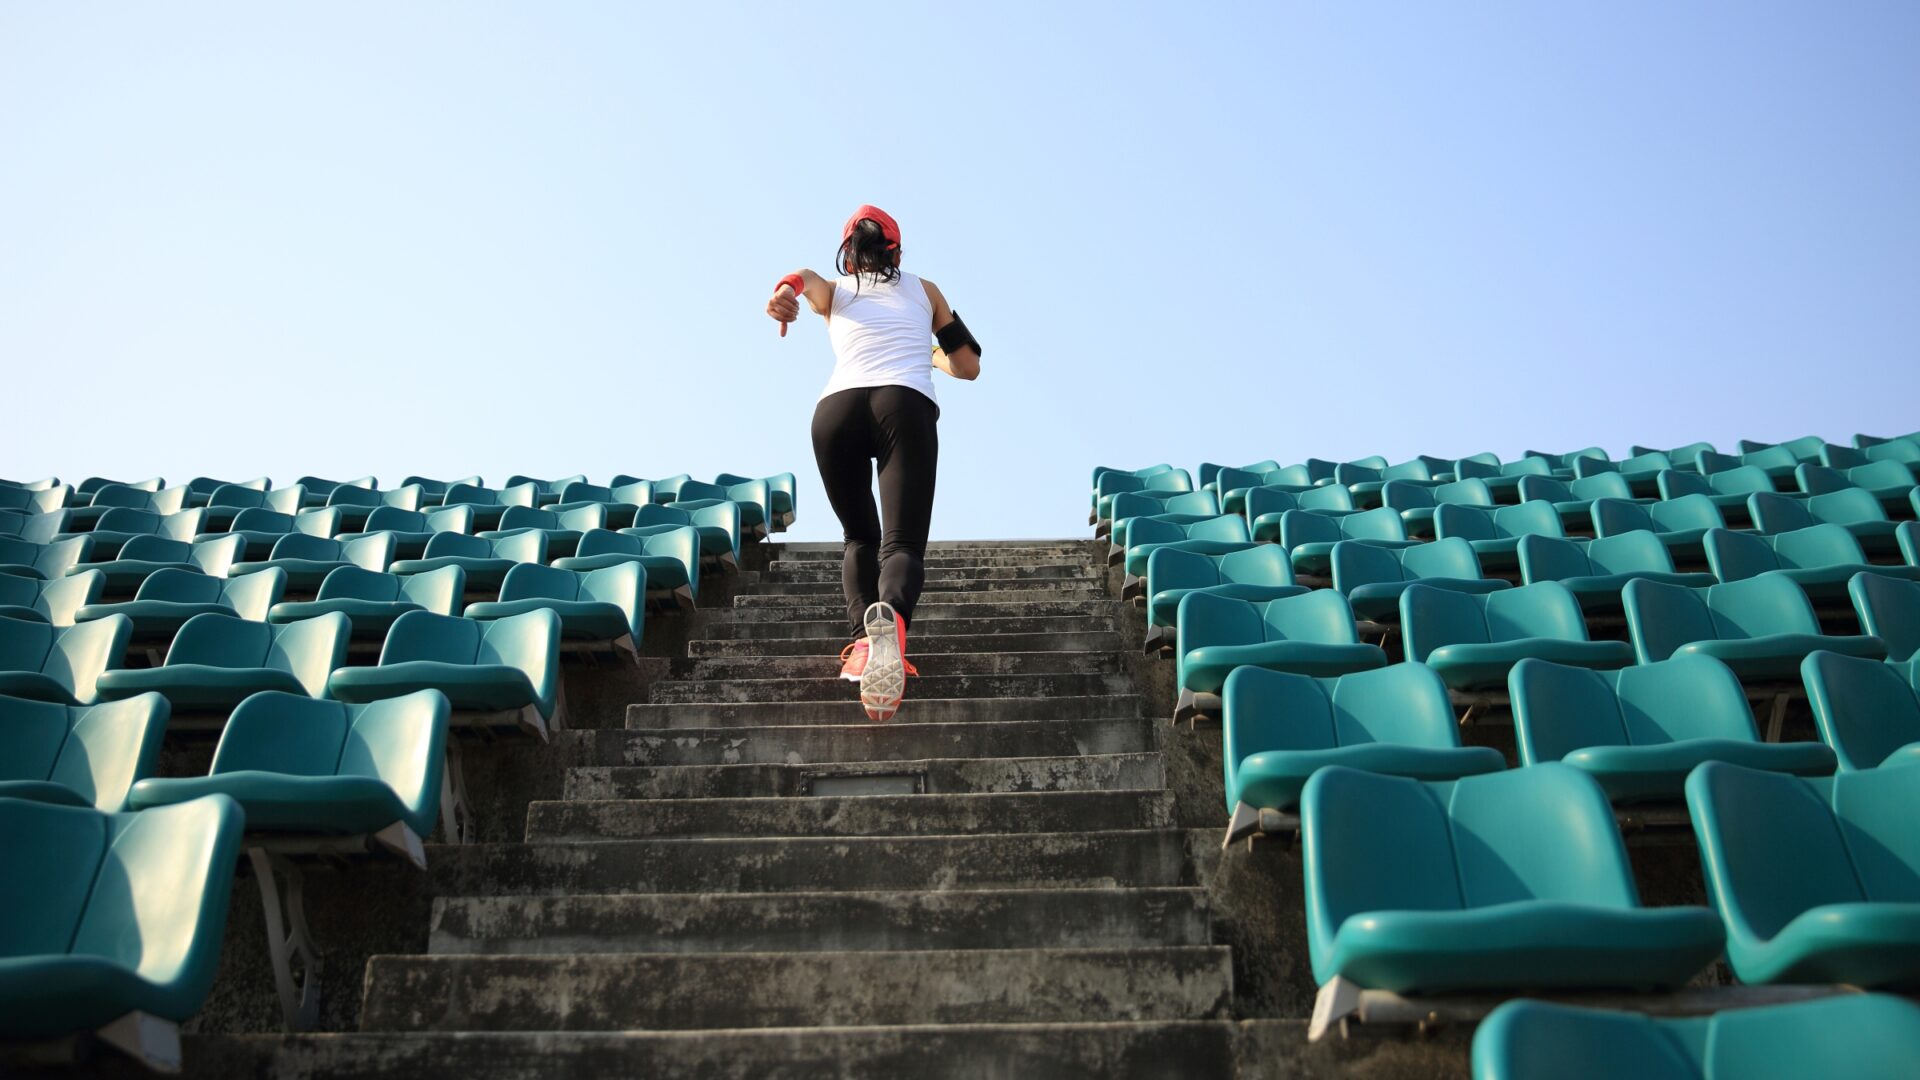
(785,306)
(963,363)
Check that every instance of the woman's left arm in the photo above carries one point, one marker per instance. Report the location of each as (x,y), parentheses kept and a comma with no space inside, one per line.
(961,363)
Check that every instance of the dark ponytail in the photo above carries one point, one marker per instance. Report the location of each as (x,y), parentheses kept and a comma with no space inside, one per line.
(867,251)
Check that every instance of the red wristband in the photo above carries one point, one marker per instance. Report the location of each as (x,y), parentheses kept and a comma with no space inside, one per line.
(798,284)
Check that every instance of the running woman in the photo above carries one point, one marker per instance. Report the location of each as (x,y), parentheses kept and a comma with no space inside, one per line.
(879,407)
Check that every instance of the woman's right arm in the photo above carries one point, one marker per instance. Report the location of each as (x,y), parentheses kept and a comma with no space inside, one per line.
(785,306)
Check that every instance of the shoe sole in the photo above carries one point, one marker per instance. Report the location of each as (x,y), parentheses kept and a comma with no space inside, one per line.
(885,680)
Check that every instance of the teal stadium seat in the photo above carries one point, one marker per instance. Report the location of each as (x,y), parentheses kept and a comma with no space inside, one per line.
(55,602)
(169,597)
(1109,484)
(1565,461)
(371,600)
(1170,505)
(1309,537)
(33,501)
(665,489)
(1279,729)
(1858,1036)
(42,662)
(1816,880)
(1867,711)
(1511,880)
(412,530)
(1313,634)
(1417,502)
(606,606)
(1474,640)
(228,500)
(547,492)
(1265,506)
(1256,573)
(259,528)
(434,492)
(1888,608)
(505,672)
(782,488)
(296,764)
(1761,627)
(1495,533)
(1372,576)
(562,528)
(318,489)
(79,755)
(1681,524)
(718,524)
(112,914)
(1210,536)
(1208,471)
(1892,482)
(1368,485)
(766,503)
(670,557)
(1819,558)
(486,561)
(1639,731)
(200,489)
(24,558)
(618,504)
(1596,571)
(488,504)
(1573,499)
(144,556)
(1234,486)
(121,524)
(356,503)
(1503,479)
(308,560)
(1854,508)
(1682,457)
(216,661)
(1728,490)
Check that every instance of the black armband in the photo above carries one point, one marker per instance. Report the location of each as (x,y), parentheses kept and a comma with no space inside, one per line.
(955,335)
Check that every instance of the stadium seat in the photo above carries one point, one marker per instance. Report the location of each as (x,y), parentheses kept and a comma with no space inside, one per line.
(1368,485)
(297,764)
(318,490)
(1504,481)
(412,529)
(1761,627)
(1473,640)
(259,528)
(1184,506)
(1858,1036)
(717,522)
(1510,880)
(1256,573)
(1816,880)
(1372,576)
(1683,457)
(671,559)
(1596,571)
(1495,533)
(171,596)
(308,560)
(1210,536)
(1279,729)
(1728,491)
(79,755)
(356,503)
(114,920)
(1855,508)
(1819,558)
(85,490)
(216,661)
(1416,502)
(142,556)
(606,606)
(1309,538)
(200,489)
(1681,524)
(488,504)
(1263,506)
(506,671)
(54,602)
(485,561)
(1888,607)
(44,483)
(24,558)
(27,501)
(546,492)
(1565,461)
(561,528)
(1312,635)
(1110,484)
(1892,482)
(163,501)
(121,524)
(1573,499)
(1233,486)
(434,492)
(42,662)
(782,491)
(665,489)
(1867,711)
(1641,471)
(619,504)
(372,600)
(229,500)
(1804,448)
(1639,731)
(1208,471)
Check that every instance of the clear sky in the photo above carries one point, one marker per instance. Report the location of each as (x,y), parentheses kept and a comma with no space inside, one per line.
(447,238)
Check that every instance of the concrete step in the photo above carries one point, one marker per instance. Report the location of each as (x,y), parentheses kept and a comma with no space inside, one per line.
(1050,588)
(920,645)
(827,664)
(933,776)
(962,549)
(723,625)
(1124,859)
(832,688)
(819,922)
(1012,570)
(1019,812)
(1026,594)
(802,609)
(844,744)
(916,710)
(622,992)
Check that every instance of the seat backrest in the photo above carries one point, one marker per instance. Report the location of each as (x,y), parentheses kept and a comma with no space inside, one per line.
(1852,1035)
(1109,483)
(82,651)
(1348,472)
(527,517)
(1431,618)
(1269,500)
(1733,556)
(1380,523)
(259,519)
(449,519)
(355,496)
(1773,513)
(1263,710)
(1818,479)
(1745,480)
(1328,497)
(44,891)
(107,747)
(1889,609)
(624,586)
(532,581)
(374,551)
(310,649)
(1817,547)
(1690,697)
(1674,483)
(1402,495)
(1527,519)
(123,519)
(1289,475)
(401,742)
(1263,565)
(1686,512)
(529,641)
(1402,704)
(609,542)
(354,583)
(222,641)
(1662,617)
(250,595)
(525,547)
(299,545)
(438,590)
(1356,564)
(181,586)
(636,492)
(278,732)
(1525,1037)
(1534,488)
(1770,457)
(580,491)
(1876,809)
(457,545)
(55,559)
(1881,475)
(1206,619)
(682,543)
(1543,610)
(1541,833)
(322,521)
(1865,709)
(424,635)
(1452,558)
(1476,466)
(1465,522)
(582,518)
(1769,845)
(1472,491)
(1629,553)
(216,557)
(1322,616)
(1848,507)
(61,598)
(394,519)
(1602,486)
(24,644)
(157,549)
(1757,607)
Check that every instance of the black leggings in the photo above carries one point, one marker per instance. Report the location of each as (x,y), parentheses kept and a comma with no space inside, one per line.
(895,426)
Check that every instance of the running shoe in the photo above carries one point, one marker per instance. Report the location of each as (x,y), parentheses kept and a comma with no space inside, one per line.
(884,680)
(853,660)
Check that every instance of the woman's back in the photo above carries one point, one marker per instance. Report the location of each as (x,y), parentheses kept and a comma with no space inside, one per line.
(881,333)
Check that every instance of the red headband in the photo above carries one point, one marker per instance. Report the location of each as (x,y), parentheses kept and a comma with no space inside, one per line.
(889,228)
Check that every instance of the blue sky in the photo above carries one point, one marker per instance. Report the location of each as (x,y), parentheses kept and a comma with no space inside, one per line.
(447,238)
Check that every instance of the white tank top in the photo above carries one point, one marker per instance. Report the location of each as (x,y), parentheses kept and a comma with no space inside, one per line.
(882,334)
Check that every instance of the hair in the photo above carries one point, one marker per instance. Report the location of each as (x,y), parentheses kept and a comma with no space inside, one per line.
(866,252)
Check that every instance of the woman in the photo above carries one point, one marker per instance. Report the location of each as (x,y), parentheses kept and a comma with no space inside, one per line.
(878,407)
